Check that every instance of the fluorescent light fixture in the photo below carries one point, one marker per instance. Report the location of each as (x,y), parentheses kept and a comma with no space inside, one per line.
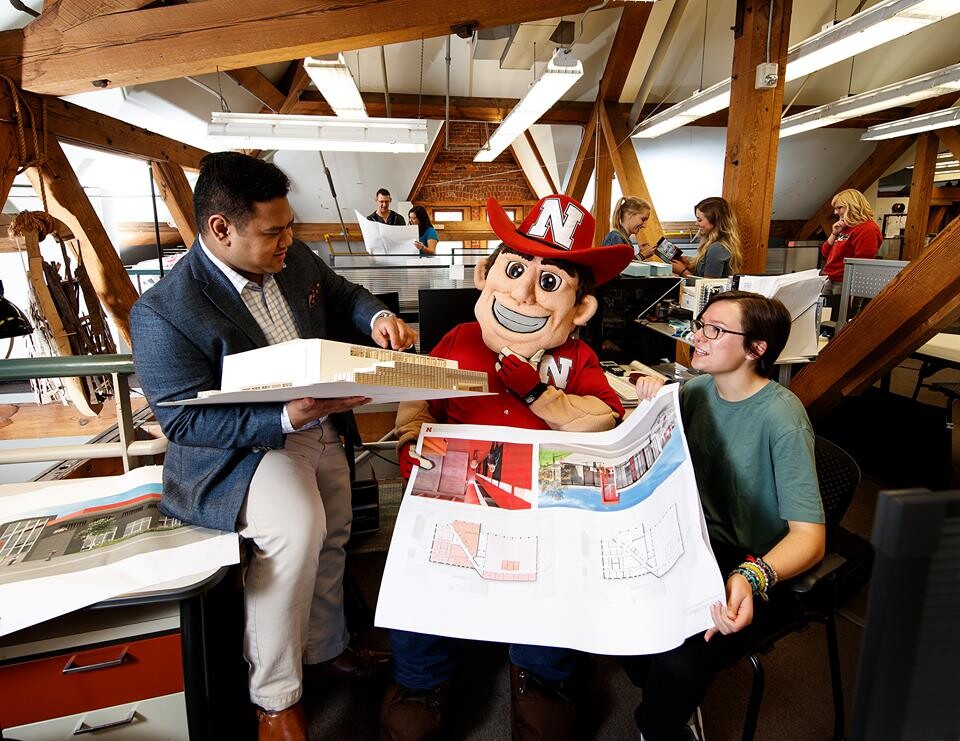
(334,81)
(326,133)
(561,73)
(858,33)
(913,125)
(865,30)
(909,91)
(710,100)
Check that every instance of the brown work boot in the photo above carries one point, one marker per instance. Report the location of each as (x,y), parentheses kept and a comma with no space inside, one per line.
(413,715)
(289,724)
(539,710)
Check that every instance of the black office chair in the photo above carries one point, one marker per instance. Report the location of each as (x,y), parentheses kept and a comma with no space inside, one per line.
(819,591)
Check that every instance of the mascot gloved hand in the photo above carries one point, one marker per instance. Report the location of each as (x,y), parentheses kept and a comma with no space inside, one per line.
(535,290)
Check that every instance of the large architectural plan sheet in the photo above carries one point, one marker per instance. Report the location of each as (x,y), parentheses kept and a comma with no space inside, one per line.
(592,541)
(76,543)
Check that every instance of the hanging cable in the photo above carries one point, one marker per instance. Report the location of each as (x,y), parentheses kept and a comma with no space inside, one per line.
(333,192)
(156,219)
(219,96)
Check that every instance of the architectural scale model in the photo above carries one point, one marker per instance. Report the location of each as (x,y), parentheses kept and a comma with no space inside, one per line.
(305,362)
(492,556)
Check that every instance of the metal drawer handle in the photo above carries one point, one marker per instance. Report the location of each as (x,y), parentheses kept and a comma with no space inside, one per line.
(82,727)
(71,668)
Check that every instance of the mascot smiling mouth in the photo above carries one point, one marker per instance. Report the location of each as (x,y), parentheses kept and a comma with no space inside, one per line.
(516,322)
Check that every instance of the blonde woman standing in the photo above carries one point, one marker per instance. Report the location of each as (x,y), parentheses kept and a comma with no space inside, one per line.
(855,234)
(629,216)
(721,251)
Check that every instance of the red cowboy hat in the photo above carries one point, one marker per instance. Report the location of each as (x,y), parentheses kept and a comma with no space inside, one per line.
(560,228)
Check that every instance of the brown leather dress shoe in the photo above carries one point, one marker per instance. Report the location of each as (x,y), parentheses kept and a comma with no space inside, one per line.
(413,715)
(289,724)
(353,663)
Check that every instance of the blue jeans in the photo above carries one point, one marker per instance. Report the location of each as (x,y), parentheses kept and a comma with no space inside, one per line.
(422,661)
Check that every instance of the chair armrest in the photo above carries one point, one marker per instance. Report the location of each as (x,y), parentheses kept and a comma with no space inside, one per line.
(810,578)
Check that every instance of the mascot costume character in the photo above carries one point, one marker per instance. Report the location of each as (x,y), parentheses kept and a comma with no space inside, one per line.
(535,290)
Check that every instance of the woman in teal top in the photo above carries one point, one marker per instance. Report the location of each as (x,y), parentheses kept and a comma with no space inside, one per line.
(427,244)
(752,449)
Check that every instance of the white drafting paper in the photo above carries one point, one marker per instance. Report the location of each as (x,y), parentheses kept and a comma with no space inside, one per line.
(329,390)
(595,542)
(383,239)
(75,544)
(799,292)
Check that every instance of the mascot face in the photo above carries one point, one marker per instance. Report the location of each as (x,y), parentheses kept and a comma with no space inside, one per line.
(526,305)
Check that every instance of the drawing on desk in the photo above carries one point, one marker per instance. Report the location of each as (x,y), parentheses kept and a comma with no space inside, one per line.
(93,539)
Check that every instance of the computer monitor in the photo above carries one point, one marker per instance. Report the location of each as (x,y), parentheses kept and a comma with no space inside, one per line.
(442,309)
(340,325)
(908,682)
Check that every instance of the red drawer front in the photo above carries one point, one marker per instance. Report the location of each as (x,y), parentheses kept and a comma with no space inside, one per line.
(74,682)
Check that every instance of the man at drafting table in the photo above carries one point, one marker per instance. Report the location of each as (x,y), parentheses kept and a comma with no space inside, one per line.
(275,473)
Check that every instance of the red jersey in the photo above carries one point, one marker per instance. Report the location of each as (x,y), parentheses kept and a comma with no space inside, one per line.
(862,240)
(573,367)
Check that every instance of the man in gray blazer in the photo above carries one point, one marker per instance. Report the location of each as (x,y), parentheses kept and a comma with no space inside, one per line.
(276,473)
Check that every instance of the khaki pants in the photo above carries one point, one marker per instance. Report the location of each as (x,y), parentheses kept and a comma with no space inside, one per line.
(297,513)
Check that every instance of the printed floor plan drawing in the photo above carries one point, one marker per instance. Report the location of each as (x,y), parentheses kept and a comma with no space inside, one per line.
(643,550)
(492,556)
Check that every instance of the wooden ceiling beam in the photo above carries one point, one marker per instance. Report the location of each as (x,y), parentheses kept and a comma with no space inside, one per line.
(918,303)
(584,161)
(176,193)
(425,168)
(613,122)
(633,21)
(951,140)
(873,167)
(67,201)
(167,42)
(540,163)
(299,79)
(753,131)
(921,189)
(256,83)
(74,124)
(405,105)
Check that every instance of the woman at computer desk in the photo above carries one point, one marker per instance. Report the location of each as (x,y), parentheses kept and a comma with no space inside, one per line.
(854,234)
(629,217)
(752,449)
(720,254)
(427,243)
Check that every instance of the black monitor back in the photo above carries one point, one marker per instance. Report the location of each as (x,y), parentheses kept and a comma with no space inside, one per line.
(908,684)
(340,325)
(442,309)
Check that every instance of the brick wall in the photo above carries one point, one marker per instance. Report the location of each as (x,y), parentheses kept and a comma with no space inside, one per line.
(455,178)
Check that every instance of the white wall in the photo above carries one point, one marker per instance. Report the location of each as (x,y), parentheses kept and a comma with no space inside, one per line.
(686,165)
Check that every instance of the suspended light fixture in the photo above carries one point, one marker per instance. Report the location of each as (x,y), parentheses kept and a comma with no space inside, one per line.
(562,71)
(858,33)
(913,125)
(323,133)
(909,91)
(335,82)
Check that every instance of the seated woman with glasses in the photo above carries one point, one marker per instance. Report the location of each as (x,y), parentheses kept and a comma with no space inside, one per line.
(752,449)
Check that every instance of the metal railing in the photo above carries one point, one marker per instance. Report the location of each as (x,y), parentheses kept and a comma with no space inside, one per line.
(120,367)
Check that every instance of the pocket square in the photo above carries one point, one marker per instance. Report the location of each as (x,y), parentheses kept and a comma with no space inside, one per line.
(314,295)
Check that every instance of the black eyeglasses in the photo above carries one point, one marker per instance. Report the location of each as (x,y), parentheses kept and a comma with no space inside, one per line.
(712,331)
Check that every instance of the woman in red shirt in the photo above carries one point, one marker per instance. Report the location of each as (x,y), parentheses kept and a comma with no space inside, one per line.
(855,234)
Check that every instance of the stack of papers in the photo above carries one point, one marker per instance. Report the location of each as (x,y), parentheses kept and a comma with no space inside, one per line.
(800,293)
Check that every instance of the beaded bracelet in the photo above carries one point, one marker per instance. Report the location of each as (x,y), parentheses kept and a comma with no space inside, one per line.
(754,576)
(769,571)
